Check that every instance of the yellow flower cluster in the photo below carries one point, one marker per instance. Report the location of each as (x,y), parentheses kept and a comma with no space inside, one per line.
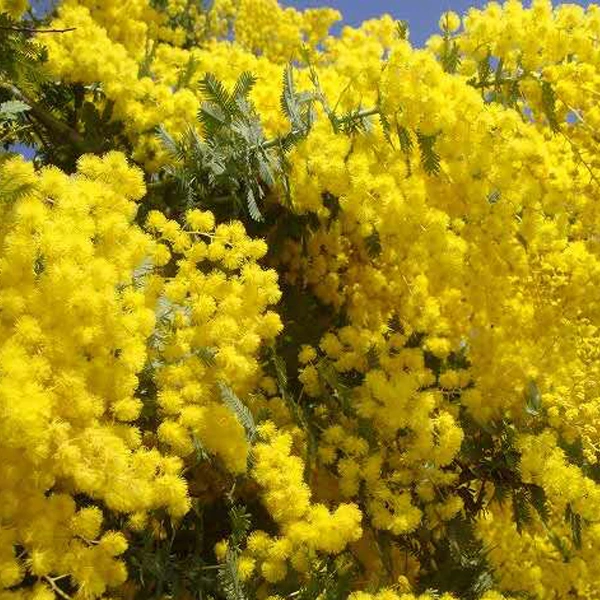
(543,463)
(264,27)
(83,310)
(89,54)
(453,254)
(390,594)
(536,46)
(542,560)
(306,529)
(215,311)
(418,438)
(131,49)
(15,8)
(487,260)
(73,329)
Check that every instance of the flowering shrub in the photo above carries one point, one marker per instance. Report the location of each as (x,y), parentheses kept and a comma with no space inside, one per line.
(285,314)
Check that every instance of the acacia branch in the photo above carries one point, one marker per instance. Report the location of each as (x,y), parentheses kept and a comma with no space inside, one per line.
(46,118)
(358,115)
(481,496)
(34,30)
(53,585)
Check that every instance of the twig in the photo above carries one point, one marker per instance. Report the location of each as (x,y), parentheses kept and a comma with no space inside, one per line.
(34,30)
(53,585)
(480,497)
(580,157)
(361,114)
(46,118)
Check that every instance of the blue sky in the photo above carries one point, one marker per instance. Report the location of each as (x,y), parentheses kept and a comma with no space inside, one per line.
(422,15)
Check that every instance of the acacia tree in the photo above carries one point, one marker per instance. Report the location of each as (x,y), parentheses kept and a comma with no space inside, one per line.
(294,315)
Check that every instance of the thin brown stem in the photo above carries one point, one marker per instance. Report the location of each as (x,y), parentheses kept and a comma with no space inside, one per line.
(361,114)
(34,30)
(53,585)
(45,118)
(480,497)
(581,159)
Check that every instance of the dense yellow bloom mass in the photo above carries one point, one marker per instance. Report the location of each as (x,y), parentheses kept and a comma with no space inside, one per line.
(213,313)
(74,332)
(307,528)
(15,8)
(78,316)
(397,371)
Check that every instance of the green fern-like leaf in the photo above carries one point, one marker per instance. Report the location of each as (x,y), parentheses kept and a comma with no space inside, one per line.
(331,378)
(267,169)
(402,30)
(214,92)
(240,521)
(373,244)
(253,206)
(386,128)
(21,58)
(405,140)
(168,143)
(430,160)
(187,73)
(549,105)
(297,106)
(533,399)
(559,543)
(213,118)
(244,85)
(281,373)
(539,502)
(207,354)
(11,190)
(200,452)
(521,510)
(288,102)
(11,109)
(450,57)
(239,409)
(484,70)
(573,519)
(353,122)
(229,579)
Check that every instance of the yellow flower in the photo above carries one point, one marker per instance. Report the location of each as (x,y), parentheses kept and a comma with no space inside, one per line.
(449,21)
